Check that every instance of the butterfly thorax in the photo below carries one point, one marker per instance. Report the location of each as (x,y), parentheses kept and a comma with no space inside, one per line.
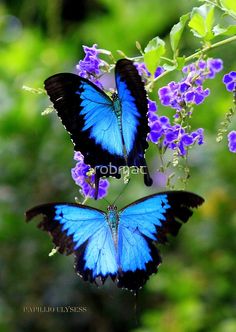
(117,108)
(118,112)
(113,221)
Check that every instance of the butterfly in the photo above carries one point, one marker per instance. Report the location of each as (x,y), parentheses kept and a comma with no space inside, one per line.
(109,132)
(120,244)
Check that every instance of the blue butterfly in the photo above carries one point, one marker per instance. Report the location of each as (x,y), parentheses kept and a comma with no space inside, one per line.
(109,132)
(119,244)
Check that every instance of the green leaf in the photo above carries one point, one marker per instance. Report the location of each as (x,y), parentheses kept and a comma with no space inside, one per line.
(229,31)
(177,30)
(229,5)
(153,52)
(180,62)
(168,67)
(201,22)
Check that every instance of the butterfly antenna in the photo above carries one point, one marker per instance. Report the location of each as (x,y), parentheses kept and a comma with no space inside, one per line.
(106,201)
(121,193)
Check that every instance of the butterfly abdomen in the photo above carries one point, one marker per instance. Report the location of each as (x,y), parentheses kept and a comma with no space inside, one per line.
(113,221)
(118,112)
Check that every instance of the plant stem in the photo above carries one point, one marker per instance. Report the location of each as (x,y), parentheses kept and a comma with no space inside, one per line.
(192,56)
(210,47)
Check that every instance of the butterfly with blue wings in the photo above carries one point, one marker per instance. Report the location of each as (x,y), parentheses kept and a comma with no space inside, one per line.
(109,132)
(119,244)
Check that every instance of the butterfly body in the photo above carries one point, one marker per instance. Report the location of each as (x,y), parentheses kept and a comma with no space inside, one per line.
(107,131)
(113,221)
(120,244)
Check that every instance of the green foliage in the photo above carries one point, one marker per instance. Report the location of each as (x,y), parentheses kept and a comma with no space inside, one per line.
(177,31)
(153,52)
(229,5)
(201,22)
(229,31)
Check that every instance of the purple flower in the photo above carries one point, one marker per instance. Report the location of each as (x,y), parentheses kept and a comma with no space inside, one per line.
(158,71)
(214,66)
(230,81)
(187,139)
(152,108)
(87,181)
(232,141)
(145,73)
(89,67)
(142,70)
(90,64)
(198,136)
(201,70)
(200,95)
(190,90)
(173,136)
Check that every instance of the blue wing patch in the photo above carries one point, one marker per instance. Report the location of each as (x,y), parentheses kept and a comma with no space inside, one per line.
(98,112)
(81,223)
(137,256)
(82,230)
(89,225)
(130,114)
(145,215)
(100,255)
(144,223)
(133,250)
(138,221)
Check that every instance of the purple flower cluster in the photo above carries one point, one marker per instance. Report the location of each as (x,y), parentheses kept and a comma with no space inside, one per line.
(171,136)
(203,70)
(232,141)
(144,72)
(85,181)
(89,67)
(230,81)
(189,90)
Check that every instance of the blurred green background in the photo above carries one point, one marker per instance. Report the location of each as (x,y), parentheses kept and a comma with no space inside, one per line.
(195,287)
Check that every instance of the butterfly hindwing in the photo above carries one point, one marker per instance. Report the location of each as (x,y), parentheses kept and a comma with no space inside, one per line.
(87,114)
(145,222)
(138,258)
(83,231)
